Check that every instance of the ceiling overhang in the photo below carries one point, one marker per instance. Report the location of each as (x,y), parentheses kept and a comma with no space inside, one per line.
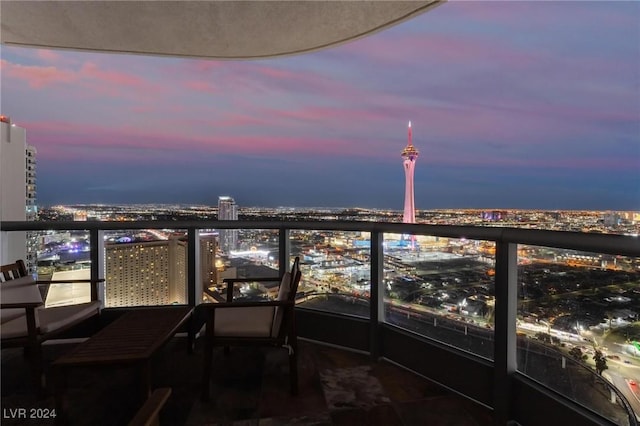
(199,29)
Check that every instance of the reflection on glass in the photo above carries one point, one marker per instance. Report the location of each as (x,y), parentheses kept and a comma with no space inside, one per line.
(578,326)
(442,288)
(336,270)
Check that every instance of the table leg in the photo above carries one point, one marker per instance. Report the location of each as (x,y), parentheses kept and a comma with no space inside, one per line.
(190,334)
(145,380)
(59,389)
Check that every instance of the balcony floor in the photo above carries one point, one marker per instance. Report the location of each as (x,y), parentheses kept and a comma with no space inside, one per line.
(249,387)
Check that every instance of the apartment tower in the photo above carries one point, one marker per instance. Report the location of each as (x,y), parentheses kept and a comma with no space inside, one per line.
(228,210)
(17,193)
(208,270)
(409,156)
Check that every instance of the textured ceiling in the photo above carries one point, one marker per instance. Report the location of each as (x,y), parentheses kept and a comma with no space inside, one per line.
(204,29)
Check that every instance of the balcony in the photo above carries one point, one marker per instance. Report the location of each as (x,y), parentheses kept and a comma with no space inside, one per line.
(387,290)
(336,387)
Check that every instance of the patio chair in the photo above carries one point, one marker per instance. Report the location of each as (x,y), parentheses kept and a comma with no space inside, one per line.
(25,322)
(270,323)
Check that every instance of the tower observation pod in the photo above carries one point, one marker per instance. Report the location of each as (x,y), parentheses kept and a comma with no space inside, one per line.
(409,156)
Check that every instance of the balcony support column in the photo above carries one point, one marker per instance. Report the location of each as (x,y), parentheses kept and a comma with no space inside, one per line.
(194,284)
(505,346)
(96,242)
(284,250)
(376,294)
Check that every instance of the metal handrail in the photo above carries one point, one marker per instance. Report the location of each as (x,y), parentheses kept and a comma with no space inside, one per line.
(614,244)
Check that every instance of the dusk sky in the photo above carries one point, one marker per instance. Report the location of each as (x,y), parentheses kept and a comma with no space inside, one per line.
(513,105)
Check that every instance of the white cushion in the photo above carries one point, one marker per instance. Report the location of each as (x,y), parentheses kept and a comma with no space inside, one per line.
(285,286)
(243,321)
(283,294)
(50,319)
(19,281)
(15,286)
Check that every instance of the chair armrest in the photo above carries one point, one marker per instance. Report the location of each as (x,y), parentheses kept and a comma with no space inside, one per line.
(250,279)
(100,280)
(246,304)
(18,305)
(94,284)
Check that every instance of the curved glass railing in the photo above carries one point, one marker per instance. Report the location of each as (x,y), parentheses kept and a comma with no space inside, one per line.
(559,308)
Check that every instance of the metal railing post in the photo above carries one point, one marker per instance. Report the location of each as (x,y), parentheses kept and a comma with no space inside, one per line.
(96,244)
(284,250)
(376,294)
(193,259)
(505,345)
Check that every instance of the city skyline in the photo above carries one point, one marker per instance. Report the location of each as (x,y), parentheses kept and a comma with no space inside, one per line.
(515,105)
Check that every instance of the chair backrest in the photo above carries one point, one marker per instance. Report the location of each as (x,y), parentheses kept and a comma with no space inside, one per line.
(287,291)
(13,271)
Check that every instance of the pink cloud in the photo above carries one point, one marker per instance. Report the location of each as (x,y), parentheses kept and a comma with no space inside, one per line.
(37,77)
(200,86)
(89,76)
(47,55)
(59,140)
(91,71)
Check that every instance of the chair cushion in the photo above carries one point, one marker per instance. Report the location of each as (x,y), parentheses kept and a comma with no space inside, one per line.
(15,285)
(283,294)
(9,314)
(19,281)
(285,286)
(50,319)
(244,321)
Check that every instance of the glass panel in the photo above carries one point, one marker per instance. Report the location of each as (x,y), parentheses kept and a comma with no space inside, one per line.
(442,288)
(336,270)
(63,255)
(578,326)
(145,267)
(239,253)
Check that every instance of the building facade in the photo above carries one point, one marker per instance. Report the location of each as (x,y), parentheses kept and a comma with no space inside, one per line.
(146,273)
(17,193)
(208,271)
(228,210)
(409,156)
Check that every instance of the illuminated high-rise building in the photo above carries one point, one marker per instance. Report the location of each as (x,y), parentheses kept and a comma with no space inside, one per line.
(409,155)
(17,193)
(208,269)
(146,273)
(228,210)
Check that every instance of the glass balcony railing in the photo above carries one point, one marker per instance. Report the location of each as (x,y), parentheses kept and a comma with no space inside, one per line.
(441,288)
(577,323)
(336,270)
(553,314)
(145,267)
